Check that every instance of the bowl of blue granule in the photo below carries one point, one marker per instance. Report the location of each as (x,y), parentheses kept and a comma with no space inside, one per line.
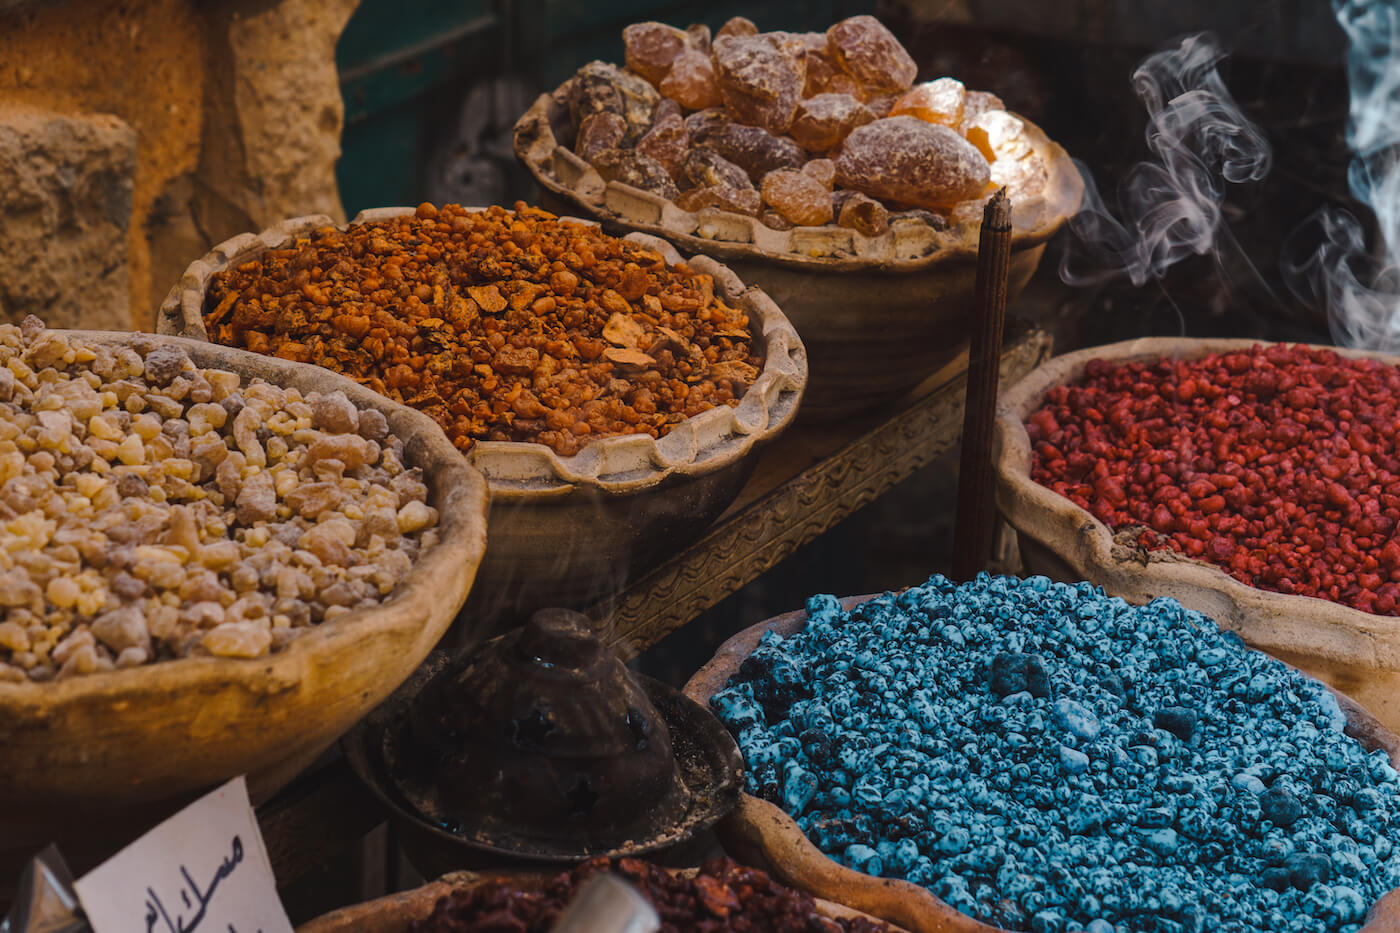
(1025,755)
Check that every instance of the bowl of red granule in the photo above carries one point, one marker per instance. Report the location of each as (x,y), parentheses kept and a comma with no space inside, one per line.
(1256,483)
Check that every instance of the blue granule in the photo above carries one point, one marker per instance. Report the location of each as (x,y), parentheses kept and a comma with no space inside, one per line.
(1045,758)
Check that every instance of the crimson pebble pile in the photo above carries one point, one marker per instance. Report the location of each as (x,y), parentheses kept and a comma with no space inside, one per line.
(722,896)
(1045,758)
(1279,464)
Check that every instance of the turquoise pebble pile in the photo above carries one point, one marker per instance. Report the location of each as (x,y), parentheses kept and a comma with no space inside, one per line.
(1045,758)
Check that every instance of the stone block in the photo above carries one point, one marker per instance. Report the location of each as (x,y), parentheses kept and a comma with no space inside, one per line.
(66,183)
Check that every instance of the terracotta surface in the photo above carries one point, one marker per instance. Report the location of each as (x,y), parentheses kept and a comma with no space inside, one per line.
(394,914)
(878,314)
(93,761)
(568,530)
(762,834)
(1356,652)
(53,58)
(236,106)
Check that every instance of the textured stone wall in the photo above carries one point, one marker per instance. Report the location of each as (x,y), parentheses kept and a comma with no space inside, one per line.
(214,117)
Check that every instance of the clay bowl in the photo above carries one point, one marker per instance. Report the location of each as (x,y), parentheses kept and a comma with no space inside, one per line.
(1355,652)
(395,913)
(566,531)
(93,761)
(878,314)
(759,833)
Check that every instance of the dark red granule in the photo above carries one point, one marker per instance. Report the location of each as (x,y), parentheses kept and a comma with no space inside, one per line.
(724,896)
(1279,464)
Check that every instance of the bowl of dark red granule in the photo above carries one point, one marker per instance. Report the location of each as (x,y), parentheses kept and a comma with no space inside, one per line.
(721,895)
(1257,483)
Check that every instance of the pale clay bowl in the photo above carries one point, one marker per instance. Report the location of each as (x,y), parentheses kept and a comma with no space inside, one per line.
(571,530)
(95,760)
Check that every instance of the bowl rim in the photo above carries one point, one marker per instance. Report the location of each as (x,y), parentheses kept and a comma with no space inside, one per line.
(456,489)
(621,464)
(1087,543)
(909,247)
(416,903)
(761,824)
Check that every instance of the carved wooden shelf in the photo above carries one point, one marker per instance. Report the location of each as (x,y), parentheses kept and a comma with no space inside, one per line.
(810,479)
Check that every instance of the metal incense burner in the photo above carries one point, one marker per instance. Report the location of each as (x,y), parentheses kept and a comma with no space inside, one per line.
(542,746)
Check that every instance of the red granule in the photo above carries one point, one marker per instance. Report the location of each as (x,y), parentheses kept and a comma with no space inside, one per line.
(1278,464)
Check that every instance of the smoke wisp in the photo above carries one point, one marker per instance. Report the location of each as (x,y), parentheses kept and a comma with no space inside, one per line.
(1170,207)
(1326,261)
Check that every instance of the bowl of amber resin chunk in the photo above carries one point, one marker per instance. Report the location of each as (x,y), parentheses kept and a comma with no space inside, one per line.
(814,166)
(613,394)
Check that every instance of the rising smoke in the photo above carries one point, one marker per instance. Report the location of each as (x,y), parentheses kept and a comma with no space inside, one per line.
(1170,206)
(1361,292)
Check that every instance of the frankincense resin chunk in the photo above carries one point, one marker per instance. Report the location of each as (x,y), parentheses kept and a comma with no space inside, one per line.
(976,103)
(738,200)
(652,47)
(823,121)
(864,215)
(798,196)
(600,86)
(667,142)
(705,168)
(737,26)
(908,161)
(691,81)
(631,167)
(599,131)
(871,54)
(752,148)
(938,101)
(823,170)
(760,78)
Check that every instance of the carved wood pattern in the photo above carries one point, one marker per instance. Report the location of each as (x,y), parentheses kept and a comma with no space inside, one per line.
(749,542)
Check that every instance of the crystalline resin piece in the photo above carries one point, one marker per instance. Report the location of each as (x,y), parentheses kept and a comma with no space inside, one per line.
(691,81)
(911,162)
(864,215)
(599,131)
(775,221)
(652,47)
(823,170)
(698,37)
(631,167)
(761,79)
(737,26)
(798,196)
(630,95)
(870,53)
(976,103)
(752,148)
(738,200)
(822,122)
(667,142)
(705,168)
(593,92)
(998,135)
(938,101)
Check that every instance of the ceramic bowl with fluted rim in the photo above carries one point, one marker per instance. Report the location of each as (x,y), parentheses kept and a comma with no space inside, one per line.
(762,834)
(566,531)
(878,314)
(95,760)
(1355,652)
(397,912)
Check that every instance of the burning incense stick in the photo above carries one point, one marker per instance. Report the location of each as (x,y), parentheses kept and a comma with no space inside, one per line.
(972,531)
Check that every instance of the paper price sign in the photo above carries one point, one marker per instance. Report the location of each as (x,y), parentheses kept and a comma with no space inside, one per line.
(204,870)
